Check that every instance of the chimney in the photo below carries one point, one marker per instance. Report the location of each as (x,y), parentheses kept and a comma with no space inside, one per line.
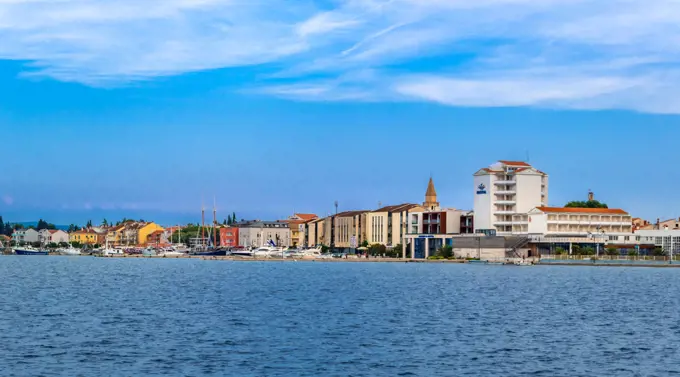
(591,196)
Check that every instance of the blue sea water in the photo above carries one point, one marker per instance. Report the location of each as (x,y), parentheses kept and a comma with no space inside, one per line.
(84,316)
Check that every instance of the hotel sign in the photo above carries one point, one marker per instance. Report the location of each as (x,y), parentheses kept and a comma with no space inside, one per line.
(481,189)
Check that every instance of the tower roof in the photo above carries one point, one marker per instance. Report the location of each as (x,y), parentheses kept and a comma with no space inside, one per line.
(430,189)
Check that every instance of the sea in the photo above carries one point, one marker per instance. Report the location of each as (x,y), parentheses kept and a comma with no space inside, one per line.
(84,316)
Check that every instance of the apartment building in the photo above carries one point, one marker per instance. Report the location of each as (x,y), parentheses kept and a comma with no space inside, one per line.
(350,229)
(388,225)
(553,221)
(229,236)
(263,233)
(506,189)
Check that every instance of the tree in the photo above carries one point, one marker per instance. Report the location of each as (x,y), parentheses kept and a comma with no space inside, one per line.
(632,253)
(377,249)
(585,204)
(42,224)
(576,249)
(364,244)
(89,224)
(52,245)
(105,223)
(588,251)
(225,221)
(658,252)
(560,251)
(233,218)
(445,251)
(63,244)
(612,251)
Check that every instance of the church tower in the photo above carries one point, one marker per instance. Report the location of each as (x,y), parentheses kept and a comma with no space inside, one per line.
(431,203)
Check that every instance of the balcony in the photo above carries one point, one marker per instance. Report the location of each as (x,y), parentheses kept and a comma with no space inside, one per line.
(503,222)
(502,183)
(504,202)
(505,192)
(505,212)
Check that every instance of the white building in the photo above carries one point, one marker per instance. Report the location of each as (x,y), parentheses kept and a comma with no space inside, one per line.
(52,236)
(261,233)
(564,222)
(668,240)
(505,189)
(26,236)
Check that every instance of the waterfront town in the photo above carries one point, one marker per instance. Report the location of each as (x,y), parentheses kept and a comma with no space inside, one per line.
(511,218)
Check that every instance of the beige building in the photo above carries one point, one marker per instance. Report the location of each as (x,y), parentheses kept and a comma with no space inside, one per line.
(349,226)
(388,225)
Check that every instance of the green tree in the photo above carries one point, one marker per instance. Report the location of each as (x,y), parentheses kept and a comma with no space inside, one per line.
(576,249)
(89,224)
(560,251)
(233,218)
(324,249)
(632,253)
(364,244)
(42,224)
(52,245)
(585,204)
(77,245)
(658,252)
(377,249)
(105,223)
(611,251)
(445,251)
(63,244)
(588,251)
(225,222)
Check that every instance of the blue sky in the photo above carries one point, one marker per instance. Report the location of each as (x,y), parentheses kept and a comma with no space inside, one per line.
(118,108)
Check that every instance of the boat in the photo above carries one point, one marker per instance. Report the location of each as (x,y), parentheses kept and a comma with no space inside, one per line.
(70,251)
(210,252)
(242,252)
(264,252)
(523,262)
(30,251)
(149,252)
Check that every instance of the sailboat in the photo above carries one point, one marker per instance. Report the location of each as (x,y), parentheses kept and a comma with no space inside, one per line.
(204,249)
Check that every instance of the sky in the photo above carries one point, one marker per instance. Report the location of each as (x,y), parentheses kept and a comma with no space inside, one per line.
(112,109)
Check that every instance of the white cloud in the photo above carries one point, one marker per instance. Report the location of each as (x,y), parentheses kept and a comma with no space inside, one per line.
(618,54)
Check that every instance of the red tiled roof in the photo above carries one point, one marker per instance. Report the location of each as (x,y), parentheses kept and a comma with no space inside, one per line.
(52,231)
(514,163)
(611,211)
(306,216)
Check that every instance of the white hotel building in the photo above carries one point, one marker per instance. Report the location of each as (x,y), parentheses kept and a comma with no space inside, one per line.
(504,190)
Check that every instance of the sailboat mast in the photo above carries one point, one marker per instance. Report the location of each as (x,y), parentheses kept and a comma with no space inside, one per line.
(202,223)
(214,223)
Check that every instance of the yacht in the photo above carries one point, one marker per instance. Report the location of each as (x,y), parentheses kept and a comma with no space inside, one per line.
(149,252)
(263,252)
(171,252)
(70,250)
(29,250)
(242,252)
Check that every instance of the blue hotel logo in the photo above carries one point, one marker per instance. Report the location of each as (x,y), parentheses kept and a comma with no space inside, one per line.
(481,189)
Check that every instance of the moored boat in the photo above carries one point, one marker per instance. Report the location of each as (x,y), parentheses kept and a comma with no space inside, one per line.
(70,251)
(29,251)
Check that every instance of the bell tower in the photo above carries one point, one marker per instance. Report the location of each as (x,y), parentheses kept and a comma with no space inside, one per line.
(431,203)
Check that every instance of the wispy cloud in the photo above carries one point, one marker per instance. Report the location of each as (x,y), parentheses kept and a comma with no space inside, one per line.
(8,200)
(587,54)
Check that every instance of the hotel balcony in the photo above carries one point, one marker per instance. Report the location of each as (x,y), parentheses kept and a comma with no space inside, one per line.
(505,212)
(504,202)
(503,183)
(503,222)
(510,192)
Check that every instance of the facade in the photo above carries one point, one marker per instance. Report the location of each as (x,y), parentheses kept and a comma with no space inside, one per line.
(85,237)
(145,230)
(157,237)
(53,236)
(262,233)
(467,222)
(670,224)
(26,236)
(350,229)
(312,231)
(297,227)
(114,235)
(667,239)
(387,225)
(506,189)
(562,222)
(229,237)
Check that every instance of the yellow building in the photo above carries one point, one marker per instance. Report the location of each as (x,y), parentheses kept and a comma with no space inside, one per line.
(114,235)
(145,230)
(84,237)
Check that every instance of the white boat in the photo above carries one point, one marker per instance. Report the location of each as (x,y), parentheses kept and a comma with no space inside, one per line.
(246,252)
(109,251)
(149,252)
(523,262)
(170,252)
(69,251)
(262,252)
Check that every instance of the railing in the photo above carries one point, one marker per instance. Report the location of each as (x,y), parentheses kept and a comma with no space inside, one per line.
(622,258)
